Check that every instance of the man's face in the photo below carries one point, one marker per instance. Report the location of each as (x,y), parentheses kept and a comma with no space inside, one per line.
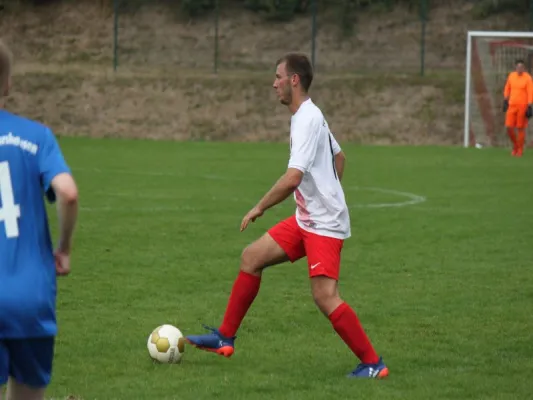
(283,84)
(520,68)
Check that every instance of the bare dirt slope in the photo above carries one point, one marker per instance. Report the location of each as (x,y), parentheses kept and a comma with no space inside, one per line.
(164,88)
(376,109)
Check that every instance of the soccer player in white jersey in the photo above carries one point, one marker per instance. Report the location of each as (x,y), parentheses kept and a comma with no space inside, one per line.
(31,166)
(317,230)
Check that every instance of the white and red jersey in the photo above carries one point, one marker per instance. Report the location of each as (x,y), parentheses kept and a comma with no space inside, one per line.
(321,206)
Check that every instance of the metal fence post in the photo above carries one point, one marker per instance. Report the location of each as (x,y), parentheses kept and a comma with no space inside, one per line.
(115,34)
(423,20)
(314,11)
(217,15)
(531,15)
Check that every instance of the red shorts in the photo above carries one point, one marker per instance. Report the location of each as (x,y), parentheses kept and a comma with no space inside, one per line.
(323,252)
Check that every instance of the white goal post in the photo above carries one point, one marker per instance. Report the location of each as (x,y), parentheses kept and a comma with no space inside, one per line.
(490,57)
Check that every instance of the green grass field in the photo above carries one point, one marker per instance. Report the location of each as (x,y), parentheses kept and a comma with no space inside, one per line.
(439,269)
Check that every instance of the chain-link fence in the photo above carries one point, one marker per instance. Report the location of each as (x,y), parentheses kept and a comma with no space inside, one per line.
(164,56)
(410,36)
(336,34)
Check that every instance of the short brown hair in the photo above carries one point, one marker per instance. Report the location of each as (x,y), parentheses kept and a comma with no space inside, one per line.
(299,64)
(5,66)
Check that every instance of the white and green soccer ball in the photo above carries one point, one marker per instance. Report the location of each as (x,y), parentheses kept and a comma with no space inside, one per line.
(166,344)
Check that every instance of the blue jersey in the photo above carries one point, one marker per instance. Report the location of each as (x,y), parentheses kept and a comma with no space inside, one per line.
(30,158)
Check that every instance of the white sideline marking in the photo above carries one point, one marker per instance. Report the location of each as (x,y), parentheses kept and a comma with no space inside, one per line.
(162,173)
(411,198)
(126,172)
(139,209)
(466,211)
(176,197)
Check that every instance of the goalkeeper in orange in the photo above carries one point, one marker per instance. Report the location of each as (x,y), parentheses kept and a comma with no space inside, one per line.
(518,93)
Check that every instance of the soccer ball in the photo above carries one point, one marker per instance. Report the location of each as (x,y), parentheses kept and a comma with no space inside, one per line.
(166,344)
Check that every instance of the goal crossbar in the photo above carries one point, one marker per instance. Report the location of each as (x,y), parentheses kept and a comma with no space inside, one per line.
(476,34)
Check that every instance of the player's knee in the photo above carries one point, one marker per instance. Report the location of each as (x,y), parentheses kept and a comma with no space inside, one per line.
(326,298)
(250,262)
(322,299)
(19,391)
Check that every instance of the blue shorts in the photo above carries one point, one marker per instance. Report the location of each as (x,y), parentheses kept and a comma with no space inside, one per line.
(28,361)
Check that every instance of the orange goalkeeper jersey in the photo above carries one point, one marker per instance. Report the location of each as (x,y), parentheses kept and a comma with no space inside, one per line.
(519,89)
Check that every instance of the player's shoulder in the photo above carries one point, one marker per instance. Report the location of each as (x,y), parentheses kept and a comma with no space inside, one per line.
(13,118)
(313,109)
(17,127)
(23,125)
(309,112)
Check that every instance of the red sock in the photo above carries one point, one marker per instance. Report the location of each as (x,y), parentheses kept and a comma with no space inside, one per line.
(347,325)
(244,290)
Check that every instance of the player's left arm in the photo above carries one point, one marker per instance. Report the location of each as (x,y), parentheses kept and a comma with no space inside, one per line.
(339,157)
(51,163)
(283,188)
(59,186)
(303,150)
(530,91)
(340,161)
(304,140)
(529,94)
(285,185)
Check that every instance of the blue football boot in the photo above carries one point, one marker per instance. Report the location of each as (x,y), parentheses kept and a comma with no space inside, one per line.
(372,371)
(213,342)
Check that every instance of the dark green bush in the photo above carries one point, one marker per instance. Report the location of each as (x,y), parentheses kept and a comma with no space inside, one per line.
(277,10)
(485,8)
(285,10)
(196,8)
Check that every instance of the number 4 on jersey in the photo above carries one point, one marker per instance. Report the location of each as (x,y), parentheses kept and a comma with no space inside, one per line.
(9,211)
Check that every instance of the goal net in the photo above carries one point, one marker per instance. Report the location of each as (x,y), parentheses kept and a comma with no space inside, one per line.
(490,58)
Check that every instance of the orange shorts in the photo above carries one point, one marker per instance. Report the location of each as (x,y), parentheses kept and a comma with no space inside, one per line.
(516,116)
(323,252)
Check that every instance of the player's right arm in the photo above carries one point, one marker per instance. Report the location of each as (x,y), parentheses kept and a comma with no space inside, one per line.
(507,87)
(507,93)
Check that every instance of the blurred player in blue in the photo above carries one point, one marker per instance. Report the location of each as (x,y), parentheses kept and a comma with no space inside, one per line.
(31,167)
